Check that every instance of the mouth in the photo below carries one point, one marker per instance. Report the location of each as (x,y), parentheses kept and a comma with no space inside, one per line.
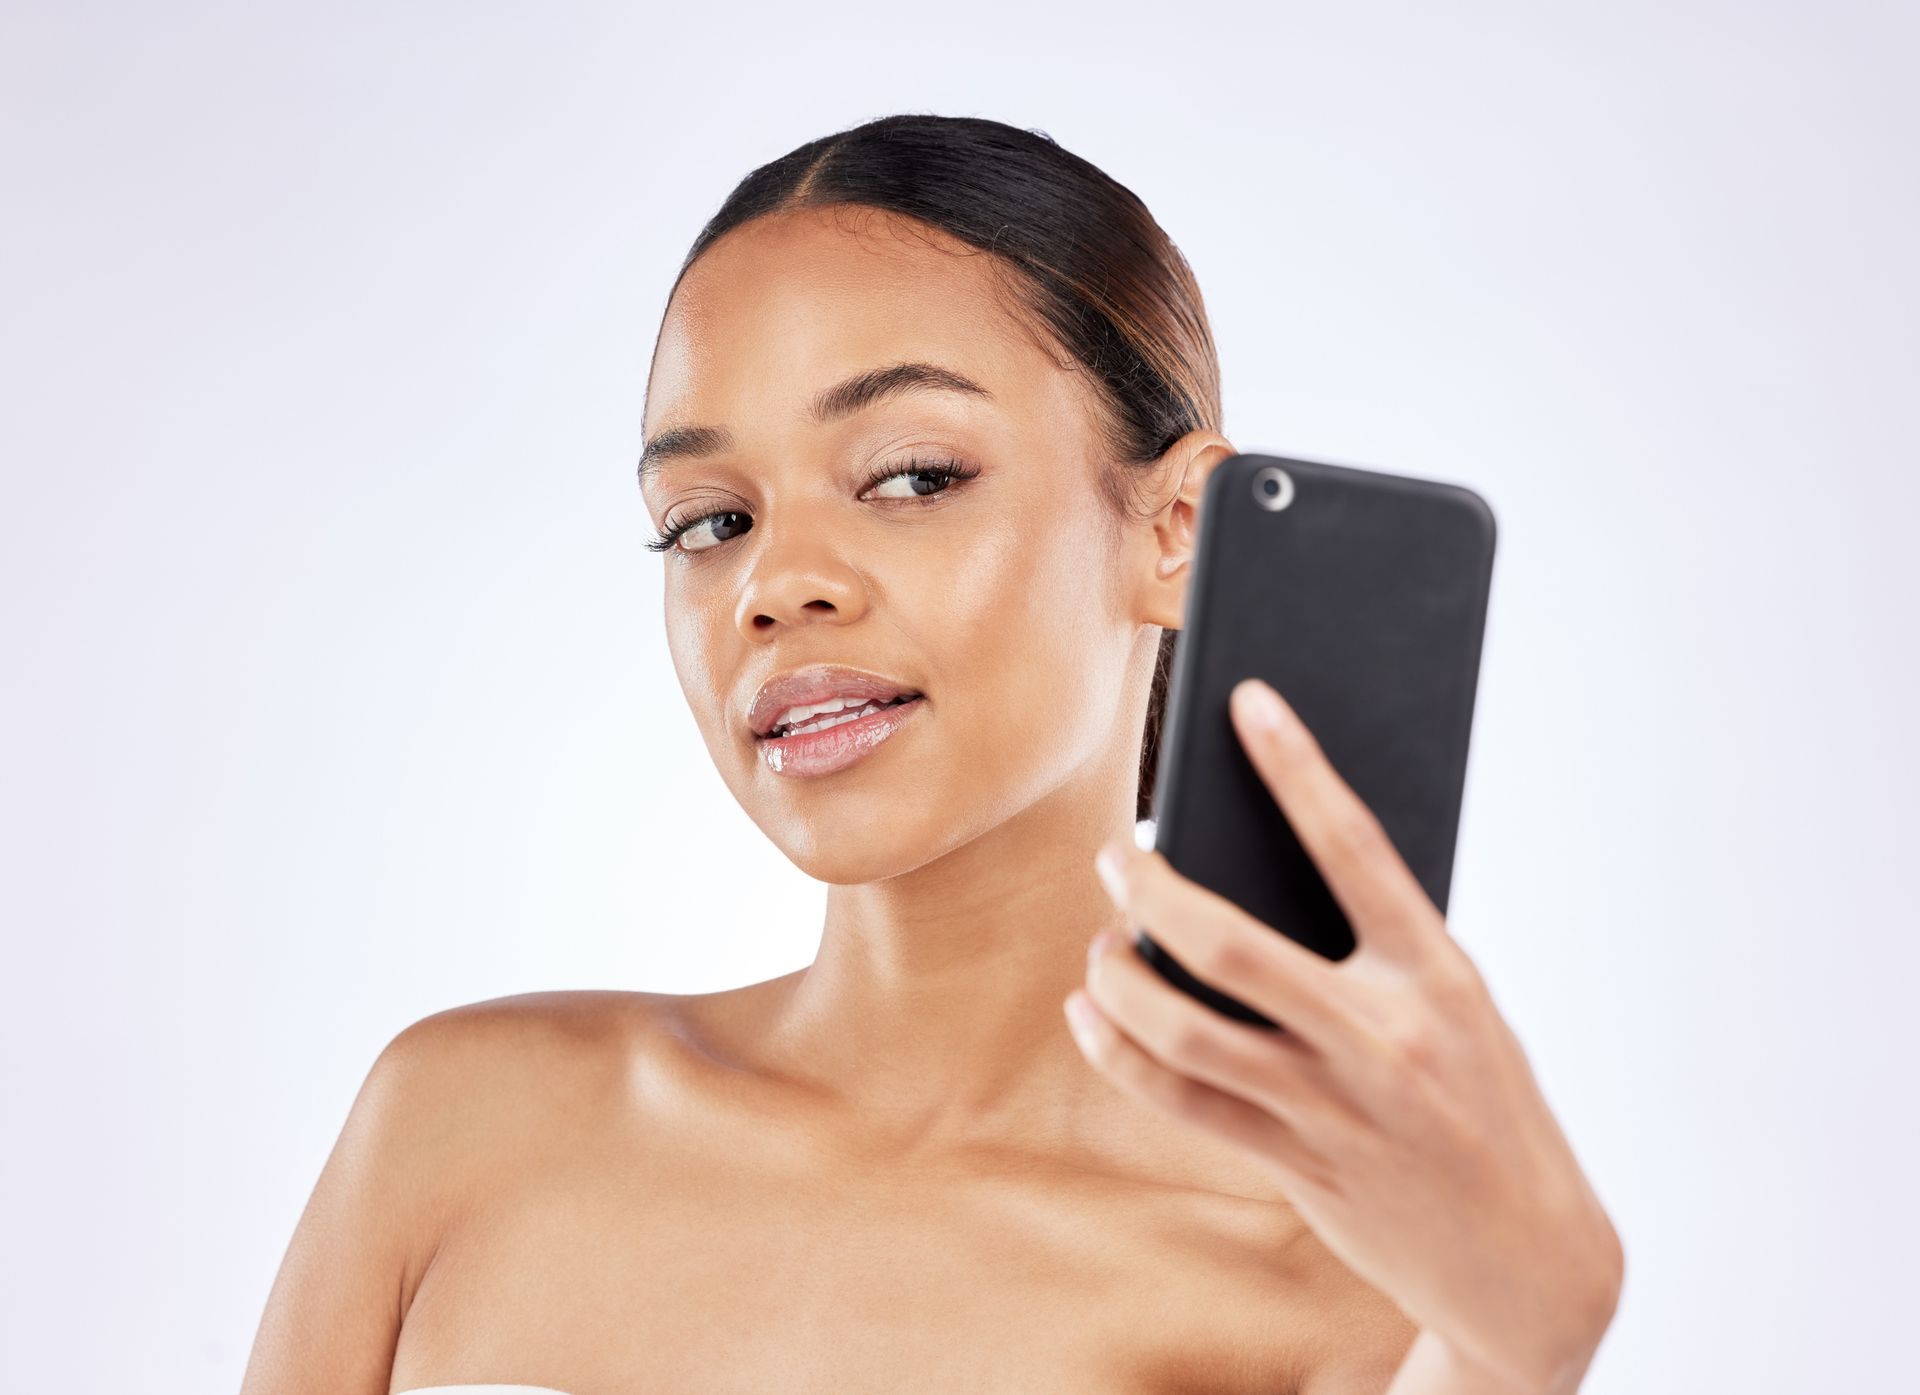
(828,715)
(832,741)
(822,717)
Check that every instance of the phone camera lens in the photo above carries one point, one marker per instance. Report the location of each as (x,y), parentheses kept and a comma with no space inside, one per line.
(1272,488)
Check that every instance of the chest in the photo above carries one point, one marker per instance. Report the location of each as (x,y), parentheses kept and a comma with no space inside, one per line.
(861,1280)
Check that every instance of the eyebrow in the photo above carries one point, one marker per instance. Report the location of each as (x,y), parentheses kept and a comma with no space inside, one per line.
(841,400)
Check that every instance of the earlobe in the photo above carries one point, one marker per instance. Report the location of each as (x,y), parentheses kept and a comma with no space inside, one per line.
(1169,592)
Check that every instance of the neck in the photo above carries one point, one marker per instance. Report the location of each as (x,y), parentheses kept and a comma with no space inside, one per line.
(933,1010)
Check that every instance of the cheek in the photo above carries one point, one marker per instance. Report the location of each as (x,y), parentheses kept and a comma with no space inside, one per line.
(1029,644)
(694,643)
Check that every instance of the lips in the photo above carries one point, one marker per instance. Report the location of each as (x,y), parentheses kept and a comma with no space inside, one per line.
(841,743)
(816,683)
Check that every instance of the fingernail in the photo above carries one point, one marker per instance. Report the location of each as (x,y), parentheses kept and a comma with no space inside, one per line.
(1260,704)
(1107,863)
(1098,945)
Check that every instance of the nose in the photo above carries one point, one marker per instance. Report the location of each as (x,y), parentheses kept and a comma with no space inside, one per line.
(798,578)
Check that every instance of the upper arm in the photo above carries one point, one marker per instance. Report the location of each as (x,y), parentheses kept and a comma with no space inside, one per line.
(333,1316)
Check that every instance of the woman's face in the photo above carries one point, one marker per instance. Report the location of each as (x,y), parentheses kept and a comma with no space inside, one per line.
(1010,600)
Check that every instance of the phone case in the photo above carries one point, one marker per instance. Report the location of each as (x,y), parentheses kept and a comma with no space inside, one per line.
(1363,600)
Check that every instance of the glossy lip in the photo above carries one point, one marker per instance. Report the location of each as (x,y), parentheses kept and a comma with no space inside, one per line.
(836,748)
(816,683)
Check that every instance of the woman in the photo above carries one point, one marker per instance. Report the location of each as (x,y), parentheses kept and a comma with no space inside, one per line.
(928,422)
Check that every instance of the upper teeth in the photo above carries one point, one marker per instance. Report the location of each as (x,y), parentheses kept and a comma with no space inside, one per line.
(793,716)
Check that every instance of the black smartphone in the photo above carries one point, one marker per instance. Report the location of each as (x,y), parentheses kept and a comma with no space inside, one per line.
(1361,597)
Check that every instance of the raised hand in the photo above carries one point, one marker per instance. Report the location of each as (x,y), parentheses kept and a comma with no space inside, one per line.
(1397,1109)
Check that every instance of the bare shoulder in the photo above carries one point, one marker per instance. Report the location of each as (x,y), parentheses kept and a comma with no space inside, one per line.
(470,1101)
(511,1081)
(529,1030)
(452,1106)
(492,1074)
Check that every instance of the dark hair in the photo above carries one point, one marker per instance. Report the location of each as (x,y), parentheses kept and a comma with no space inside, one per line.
(1098,273)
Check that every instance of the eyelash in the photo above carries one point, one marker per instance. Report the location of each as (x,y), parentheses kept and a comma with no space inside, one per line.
(947,469)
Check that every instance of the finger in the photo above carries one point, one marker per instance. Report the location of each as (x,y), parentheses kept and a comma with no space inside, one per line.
(1274,1070)
(1374,886)
(1129,1066)
(1219,943)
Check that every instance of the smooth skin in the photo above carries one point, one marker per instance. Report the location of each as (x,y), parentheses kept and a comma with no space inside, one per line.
(896,1169)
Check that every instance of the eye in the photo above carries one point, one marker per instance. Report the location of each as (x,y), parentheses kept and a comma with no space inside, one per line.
(923,479)
(717,526)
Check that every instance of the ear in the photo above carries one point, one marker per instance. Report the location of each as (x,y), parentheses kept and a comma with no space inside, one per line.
(1181,476)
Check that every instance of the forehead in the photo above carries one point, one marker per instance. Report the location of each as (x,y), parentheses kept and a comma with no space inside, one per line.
(790,302)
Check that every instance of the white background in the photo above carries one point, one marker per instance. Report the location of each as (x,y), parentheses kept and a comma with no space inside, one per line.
(335,685)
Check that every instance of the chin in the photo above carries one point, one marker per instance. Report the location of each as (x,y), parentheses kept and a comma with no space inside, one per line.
(859,851)
(871,834)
